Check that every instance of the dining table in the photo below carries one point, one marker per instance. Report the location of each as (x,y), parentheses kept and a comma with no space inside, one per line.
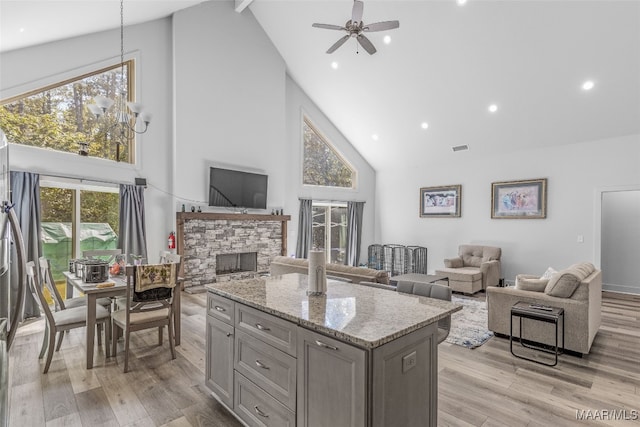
(119,288)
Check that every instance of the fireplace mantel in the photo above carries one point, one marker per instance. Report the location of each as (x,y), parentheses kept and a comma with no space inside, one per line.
(209,230)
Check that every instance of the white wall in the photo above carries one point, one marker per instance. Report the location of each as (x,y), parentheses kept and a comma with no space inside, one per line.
(298,103)
(229,102)
(574,172)
(25,69)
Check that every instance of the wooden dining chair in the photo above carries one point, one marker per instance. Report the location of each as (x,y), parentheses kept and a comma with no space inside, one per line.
(63,320)
(148,304)
(60,303)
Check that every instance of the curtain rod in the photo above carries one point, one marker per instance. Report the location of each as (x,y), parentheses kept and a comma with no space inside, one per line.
(330,201)
(79,178)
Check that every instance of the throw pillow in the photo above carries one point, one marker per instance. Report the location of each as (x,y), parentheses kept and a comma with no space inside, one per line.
(453,263)
(530,283)
(547,274)
(562,284)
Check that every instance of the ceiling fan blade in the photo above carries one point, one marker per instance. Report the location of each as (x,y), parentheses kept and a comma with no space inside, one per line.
(381,26)
(339,43)
(356,13)
(329,27)
(366,44)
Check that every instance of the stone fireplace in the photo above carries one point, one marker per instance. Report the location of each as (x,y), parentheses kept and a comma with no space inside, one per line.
(219,247)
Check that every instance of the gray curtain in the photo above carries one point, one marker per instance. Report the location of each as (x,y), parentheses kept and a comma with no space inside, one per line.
(354,232)
(132,236)
(25,194)
(305,221)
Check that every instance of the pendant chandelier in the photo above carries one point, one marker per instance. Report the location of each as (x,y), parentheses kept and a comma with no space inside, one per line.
(121,127)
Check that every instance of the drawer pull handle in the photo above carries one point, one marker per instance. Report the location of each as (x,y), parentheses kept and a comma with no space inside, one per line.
(262,328)
(217,307)
(321,344)
(229,334)
(261,365)
(259,412)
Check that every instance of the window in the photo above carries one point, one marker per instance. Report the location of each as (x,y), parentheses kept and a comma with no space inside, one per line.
(322,164)
(329,230)
(56,117)
(76,218)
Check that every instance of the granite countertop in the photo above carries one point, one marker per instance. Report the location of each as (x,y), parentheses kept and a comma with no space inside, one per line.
(365,316)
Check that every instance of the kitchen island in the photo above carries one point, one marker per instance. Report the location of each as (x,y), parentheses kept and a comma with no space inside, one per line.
(357,356)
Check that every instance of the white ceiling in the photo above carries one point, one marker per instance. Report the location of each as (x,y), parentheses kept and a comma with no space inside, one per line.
(445,65)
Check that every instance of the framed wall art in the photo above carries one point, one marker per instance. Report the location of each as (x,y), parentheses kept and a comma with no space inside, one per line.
(439,202)
(526,199)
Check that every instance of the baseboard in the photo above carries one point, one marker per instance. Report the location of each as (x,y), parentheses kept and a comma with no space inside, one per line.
(623,289)
(621,295)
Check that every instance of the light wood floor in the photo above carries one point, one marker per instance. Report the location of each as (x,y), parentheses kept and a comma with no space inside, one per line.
(482,387)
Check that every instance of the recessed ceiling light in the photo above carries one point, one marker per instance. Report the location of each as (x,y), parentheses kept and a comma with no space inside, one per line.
(462,2)
(588,85)
(334,65)
(425,125)
(374,136)
(493,108)
(22,30)
(387,39)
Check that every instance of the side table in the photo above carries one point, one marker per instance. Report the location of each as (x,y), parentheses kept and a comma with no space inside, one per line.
(541,313)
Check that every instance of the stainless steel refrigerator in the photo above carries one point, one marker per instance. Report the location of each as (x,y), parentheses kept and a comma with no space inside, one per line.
(11,303)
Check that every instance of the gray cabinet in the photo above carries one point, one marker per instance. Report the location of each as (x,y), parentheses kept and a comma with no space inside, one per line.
(219,359)
(271,372)
(331,382)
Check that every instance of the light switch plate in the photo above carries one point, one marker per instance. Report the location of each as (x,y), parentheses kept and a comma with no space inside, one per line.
(409,362)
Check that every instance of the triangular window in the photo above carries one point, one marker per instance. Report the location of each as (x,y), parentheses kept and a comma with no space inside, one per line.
(322,164)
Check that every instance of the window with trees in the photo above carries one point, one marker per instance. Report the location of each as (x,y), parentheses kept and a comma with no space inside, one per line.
(322,164)
(57,117)
(329,230)
(76,217)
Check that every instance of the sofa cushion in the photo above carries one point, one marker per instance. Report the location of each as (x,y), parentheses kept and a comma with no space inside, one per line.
(563,284)
(526,282)
(465,274)
(453,263)
(582,269)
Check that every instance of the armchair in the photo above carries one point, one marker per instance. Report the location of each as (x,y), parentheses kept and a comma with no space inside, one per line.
(474,269)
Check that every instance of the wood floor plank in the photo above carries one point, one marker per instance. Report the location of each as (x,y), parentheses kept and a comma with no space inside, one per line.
(484,387)
(95,409)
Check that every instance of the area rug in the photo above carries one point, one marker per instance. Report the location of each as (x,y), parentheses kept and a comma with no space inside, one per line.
(469,325)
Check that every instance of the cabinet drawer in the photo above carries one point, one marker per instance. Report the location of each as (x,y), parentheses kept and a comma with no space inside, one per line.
(221,308)
(256,408)
(269,368)
(270,329)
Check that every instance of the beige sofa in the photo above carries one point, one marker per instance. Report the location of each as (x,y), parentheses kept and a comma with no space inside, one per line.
(577,289)
(283,265)
(474,269)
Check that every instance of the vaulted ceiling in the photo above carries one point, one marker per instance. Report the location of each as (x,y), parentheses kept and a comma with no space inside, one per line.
(444,66)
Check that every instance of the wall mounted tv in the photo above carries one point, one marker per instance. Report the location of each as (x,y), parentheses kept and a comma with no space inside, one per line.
(233,188)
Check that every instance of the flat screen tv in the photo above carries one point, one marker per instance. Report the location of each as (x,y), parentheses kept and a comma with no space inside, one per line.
(233,188)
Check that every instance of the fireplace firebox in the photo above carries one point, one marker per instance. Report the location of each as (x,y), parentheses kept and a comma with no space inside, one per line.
(236,263)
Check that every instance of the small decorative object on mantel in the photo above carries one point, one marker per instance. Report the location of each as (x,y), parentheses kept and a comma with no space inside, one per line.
(193,208)
(199,209)
(183,207)
(317,273)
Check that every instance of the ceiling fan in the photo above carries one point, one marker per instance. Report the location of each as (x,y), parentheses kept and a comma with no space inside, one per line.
(355,28)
